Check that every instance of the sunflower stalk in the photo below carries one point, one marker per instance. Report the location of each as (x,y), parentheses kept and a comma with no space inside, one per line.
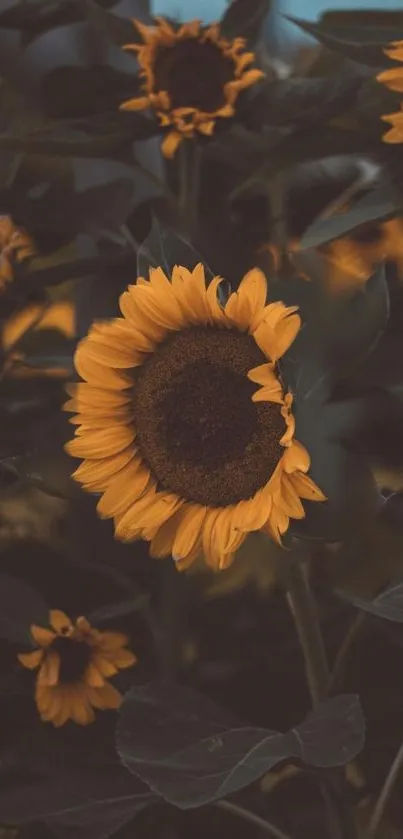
(304,612)
(189,181)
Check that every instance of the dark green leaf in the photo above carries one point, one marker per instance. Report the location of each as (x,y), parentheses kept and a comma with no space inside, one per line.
(369,54)
(36,17)
(381,26)
(192,753)
(119,30)
(20,606)
(163,248)
(245,18)
(74,92)
(302,101)
(388,605)
(380,204)
(115,610)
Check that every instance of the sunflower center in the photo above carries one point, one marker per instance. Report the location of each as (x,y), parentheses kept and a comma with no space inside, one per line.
(197,427)
(194,74)
(74,656)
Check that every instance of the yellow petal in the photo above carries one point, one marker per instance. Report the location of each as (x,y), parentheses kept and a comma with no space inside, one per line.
(43,637)
(137,318)
(102,442)
(150,510)
(170,143)
(306,487)
(139,103)
(105,697)
(93,677)
(295,458)
(290,501)
(96,474)
(90,368)
(49,671)
(111,641)
(188,534)
(124,659)
(245,305)
(161,542)
(87,396)
(189,288)
(393,78)
(31,660)
(217,311)
(60,622)
(125,487)
(207,127)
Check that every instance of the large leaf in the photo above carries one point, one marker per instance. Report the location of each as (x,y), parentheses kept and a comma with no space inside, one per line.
(379,205)
(119,30)
(369,54)
(20,606)
(36,17)
(301,101)
(388,605)
(74,92)
(192,753)
(245,18)
(163,248)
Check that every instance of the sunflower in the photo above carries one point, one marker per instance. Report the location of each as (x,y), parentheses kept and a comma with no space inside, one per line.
(58,316)
(15,246)
(184,423)
(393,79)
(192,76)
(75,662)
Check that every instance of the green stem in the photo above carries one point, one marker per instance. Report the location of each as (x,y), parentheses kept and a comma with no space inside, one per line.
(385,793)
(252,818)
(303,610)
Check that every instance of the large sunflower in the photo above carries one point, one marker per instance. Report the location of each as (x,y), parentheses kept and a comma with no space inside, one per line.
(393,79)
(15,246)
(75,661)
(184,423)
(192,76)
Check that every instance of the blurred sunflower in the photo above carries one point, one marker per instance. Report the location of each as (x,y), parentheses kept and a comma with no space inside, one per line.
(15,246)
(192,76)
(75,662)
(393,79)
(187,452)
(58,316)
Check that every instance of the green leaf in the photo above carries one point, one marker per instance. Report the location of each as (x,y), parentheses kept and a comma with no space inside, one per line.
(368,54)
(245,18)
(379,205)
(388,605)
(119,30)
(36,17)
(302,101)
(74,92)
(192,753)
(163,248)
(20,606)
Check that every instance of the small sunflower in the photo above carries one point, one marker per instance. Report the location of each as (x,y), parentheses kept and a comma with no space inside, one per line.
(393,79)
(15,246)
(192,76)
(184,423)
(75,662)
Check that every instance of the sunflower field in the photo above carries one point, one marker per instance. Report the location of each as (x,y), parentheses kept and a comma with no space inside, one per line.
(201,423)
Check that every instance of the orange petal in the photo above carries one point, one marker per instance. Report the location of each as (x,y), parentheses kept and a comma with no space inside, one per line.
(154,508)
(207,127)
(105,697)
(189,531)
(43,637)
(96,474)
(86,396)
(49,671)
(93,677)
(171,143)
(393,78)
(124,488)
(101,443)
(111,641)
(139,103)
(60,622)
(246,305)
(31,660)
(295,458)
(306,487)
(124,659)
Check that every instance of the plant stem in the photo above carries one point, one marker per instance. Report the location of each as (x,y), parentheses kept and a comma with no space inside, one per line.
(303,609)
(252,818)
(345,649)
(385,793)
